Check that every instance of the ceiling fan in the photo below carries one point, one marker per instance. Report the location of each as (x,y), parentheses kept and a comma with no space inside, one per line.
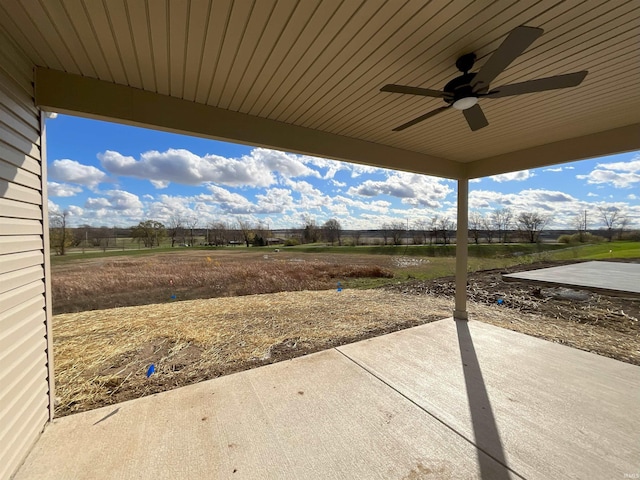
(463,92)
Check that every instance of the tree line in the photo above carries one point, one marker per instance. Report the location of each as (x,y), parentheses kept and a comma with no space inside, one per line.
(500,226)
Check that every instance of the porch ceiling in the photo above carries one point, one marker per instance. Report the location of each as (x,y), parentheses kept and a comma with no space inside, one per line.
(311,72)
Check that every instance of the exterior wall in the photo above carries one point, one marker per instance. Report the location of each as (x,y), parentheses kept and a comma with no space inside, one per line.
(24,344)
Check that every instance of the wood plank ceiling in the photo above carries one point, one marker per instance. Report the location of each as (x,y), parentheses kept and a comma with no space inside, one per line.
(320,64)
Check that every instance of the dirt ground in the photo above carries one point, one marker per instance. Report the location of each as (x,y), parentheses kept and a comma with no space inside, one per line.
(603,324)
(102,356)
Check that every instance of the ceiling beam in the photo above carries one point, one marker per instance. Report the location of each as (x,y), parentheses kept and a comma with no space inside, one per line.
(609,142)
(76,95)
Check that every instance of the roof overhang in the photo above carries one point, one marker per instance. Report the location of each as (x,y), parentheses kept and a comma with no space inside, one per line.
(306,76)
(73,94)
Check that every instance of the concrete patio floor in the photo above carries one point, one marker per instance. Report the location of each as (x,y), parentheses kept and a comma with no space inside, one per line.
(611,278)
(444,400)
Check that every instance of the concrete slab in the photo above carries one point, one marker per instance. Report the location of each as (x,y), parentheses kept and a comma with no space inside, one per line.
(546,410)
(443,400)
(615,278)
(316,417)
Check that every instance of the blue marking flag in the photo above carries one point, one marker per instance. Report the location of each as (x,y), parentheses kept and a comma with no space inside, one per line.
(500,301)
(339,287)
(150,370)
(173,297)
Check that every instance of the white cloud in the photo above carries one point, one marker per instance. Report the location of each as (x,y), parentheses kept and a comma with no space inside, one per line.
(182,166)
(226,201)
(632,166)
(303,187)
(411,188)
(332,166)
(526,201)
(357,170)
(118,200)
(618,174)
(512,176)
(558,169)
(75,211)
(286,164)
(378,206)
(475,180)
(55,189)
(71,171)
(618,180)
(51,115)
(275,200)
(591,194)
(53,207)
(632,196)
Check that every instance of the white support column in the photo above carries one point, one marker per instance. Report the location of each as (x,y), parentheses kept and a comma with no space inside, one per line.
(462,241)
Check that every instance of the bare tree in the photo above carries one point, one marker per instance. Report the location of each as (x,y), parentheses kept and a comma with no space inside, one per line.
(502,220)
(489,228)
(445,225)
(622,226)
(104,235)
(420,229)
(611,217)
(60,236)
(332,231)
(433,230)
(385,229)
(416,237)
(397,231)
(81,236)
(580,222)
(531,224)
(310,231)
(218,234)
(476,220)
(191,223)
(260,235)
(246,231)
(175,227)
(356,237)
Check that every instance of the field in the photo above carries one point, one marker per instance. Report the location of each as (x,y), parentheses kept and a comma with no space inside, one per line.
(127,312)
(141,277)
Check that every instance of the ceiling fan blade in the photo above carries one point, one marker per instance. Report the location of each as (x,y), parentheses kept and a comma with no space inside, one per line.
(539,85)
(516,42)
(421,118)
(425,92)
(475,117)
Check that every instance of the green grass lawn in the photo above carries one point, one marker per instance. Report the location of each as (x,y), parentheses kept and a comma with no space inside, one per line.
(600,251)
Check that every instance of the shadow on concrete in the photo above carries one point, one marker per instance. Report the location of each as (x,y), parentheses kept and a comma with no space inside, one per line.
(485,429)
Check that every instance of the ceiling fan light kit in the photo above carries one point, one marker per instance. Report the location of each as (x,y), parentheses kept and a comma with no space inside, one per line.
(465,102)
(463,92)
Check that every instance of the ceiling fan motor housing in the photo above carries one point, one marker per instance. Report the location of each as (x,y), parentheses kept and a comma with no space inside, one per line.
(459,87)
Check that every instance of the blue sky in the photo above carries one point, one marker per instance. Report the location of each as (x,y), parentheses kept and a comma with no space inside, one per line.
(109,174)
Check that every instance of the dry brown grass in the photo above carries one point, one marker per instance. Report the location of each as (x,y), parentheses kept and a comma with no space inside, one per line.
(127,281)
(101,356)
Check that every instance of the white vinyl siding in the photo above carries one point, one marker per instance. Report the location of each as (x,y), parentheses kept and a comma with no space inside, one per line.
(24,379)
